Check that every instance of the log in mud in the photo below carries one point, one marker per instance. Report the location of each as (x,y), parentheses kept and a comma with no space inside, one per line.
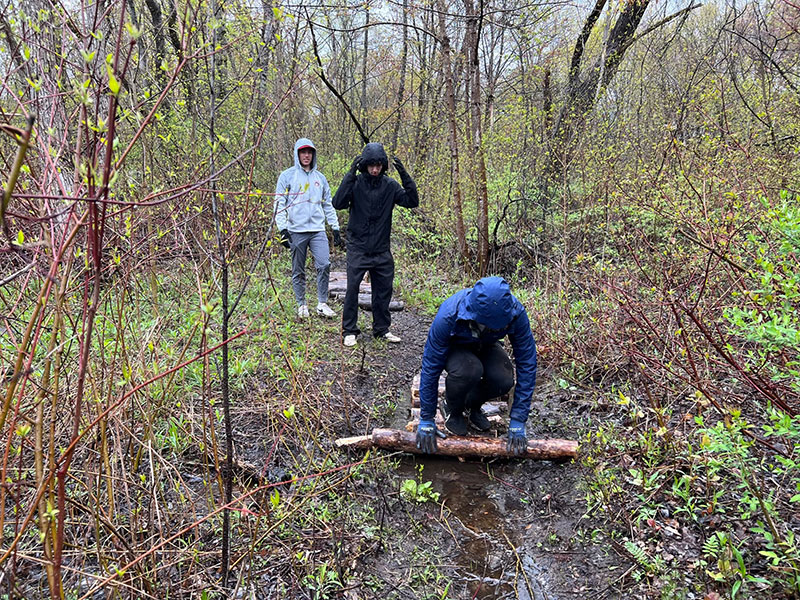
(404,441)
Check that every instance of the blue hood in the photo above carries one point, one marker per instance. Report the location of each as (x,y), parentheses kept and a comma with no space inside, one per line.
(491,303)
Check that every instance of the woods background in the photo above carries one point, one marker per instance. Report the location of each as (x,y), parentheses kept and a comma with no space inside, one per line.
(631,167)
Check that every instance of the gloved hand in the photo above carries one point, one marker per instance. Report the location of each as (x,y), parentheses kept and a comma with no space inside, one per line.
(337,239)
(399,166)
(427,433)
(517,442)
(286,239)
(355,164)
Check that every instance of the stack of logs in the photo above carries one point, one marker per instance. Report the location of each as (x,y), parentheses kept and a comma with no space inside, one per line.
(337,286)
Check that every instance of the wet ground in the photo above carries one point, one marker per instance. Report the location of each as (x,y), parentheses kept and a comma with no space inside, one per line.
(500,528)
(516,529)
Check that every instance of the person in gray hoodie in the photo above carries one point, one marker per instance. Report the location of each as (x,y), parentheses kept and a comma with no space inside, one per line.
(302,205)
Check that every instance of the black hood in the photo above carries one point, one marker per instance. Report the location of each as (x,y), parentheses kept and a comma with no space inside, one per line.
(373,153)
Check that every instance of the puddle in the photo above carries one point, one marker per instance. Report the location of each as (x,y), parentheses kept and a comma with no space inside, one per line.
(517,533)
(489,556)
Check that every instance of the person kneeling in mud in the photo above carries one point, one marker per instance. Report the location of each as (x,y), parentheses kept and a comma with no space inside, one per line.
(465,340)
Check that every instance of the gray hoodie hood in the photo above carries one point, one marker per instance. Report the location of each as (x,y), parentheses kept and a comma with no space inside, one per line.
(303,142)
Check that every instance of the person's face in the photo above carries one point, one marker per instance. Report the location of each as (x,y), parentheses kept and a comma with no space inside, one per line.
(374,169)
(306,156)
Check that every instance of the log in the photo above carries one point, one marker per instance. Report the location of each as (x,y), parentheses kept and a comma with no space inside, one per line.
(365,301)
(337,282)
(503,400)
(415,388)
(404,441)
(495,420)
(490,409)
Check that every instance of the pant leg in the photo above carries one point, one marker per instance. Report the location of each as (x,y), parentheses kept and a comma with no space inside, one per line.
(355,273)
(320,250)
(382,278)
(299,252)
(498,375)
(464,373)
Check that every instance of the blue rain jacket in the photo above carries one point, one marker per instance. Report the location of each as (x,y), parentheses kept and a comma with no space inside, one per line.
(474,318)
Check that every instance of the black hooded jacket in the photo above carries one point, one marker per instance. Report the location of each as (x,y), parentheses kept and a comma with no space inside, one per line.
(371,201)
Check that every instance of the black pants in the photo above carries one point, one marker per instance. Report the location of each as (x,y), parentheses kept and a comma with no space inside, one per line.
(477,375)
(381,273)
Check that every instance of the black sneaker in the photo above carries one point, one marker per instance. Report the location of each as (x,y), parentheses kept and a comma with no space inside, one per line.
(478,420)
(454,421)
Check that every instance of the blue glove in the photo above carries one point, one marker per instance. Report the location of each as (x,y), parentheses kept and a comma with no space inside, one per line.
(517,442)
(426,436)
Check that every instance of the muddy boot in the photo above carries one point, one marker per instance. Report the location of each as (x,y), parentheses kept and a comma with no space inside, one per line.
(478,420)
(453,420)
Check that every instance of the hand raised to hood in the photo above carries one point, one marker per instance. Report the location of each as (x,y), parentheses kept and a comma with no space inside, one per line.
(354,166)
(398,165)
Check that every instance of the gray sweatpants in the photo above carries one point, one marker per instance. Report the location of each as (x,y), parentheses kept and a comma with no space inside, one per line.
(318,242)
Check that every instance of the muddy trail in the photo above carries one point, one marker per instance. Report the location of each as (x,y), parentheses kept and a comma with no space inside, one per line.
(499,528)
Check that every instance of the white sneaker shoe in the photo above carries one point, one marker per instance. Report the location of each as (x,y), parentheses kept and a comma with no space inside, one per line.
(325,310)
(302,311)
(392,338)
(349,340)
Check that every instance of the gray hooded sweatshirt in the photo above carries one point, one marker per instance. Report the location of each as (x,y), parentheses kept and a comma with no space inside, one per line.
(303,199)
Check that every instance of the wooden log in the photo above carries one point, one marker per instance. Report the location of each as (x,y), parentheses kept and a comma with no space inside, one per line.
(357,442)
(415,388)
(490,409)
(503,400)
(412,425)
(337,282)
(404,441)
(365,301)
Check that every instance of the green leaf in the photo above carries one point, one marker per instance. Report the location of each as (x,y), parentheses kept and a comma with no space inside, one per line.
(113,84)
(20,237)
(289,412)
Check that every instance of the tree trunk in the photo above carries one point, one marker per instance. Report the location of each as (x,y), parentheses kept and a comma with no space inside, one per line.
(583,90)
(364,70)
(157,17)
(455,173)
(473,34)
(401,90)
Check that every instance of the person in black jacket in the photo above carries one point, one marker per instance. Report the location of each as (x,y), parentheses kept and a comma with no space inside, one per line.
(371,198)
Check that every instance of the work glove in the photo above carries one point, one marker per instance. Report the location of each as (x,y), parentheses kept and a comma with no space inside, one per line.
(517,442)
(427,432)
(355,164)
(286,239)
(399,166)
(337,239)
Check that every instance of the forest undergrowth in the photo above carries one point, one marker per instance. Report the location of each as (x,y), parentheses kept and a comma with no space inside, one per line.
(168,424)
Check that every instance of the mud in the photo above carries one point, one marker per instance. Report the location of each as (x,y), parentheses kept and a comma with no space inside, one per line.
(500,528)
(507,529)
